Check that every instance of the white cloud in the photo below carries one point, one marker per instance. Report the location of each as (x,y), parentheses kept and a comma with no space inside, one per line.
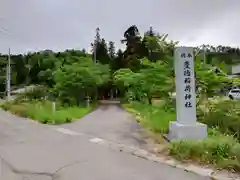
(60,24)
(222,30)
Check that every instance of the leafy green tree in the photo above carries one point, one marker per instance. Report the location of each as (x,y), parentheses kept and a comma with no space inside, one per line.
(218,54)
(134,46)
(118,61)
(76,81)
(208,82)
(159,47)
(3,63)
(153,80)
(151,42)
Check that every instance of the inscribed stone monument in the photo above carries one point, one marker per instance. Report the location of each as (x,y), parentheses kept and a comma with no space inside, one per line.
(186,126)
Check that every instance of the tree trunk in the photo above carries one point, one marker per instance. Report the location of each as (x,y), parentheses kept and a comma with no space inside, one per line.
(28,80)
(149,99)
(151,57)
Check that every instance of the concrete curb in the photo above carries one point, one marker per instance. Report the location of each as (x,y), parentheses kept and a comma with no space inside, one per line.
(141,153)
(205,172)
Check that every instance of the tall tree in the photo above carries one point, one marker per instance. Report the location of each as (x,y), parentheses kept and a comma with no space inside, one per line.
(99,49)
(158,45)
(96,42)
(111,50)
(98,38)
(102,52)
(118,62)
(134,44)
(151,42)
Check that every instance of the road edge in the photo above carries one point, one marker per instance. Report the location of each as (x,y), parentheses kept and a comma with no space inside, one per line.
(144,154)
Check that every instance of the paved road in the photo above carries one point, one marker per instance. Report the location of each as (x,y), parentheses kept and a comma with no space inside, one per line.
(110,122)
(30,151)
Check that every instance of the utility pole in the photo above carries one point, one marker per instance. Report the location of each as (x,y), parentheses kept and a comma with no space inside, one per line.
(204,55)
(204,52)
(95,51)
(96,41)
(8,76)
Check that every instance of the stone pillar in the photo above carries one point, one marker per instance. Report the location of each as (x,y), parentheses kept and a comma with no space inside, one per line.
(186,126)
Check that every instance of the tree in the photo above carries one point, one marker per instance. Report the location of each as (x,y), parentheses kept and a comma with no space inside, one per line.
(159,47)
(76,81)
(100,48)
(219,54)
(153,80)
(131,35)
(151,42)
(134,45)
(102,52)
(209,82)
(118,62)
(111,50)
(3,64)
(95,44)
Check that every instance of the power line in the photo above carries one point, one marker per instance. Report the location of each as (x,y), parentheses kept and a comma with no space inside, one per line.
(12,35)
(5,31)
(3,28)
(8,76)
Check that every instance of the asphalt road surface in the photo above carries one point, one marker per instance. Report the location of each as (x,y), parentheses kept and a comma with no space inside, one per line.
(31,151)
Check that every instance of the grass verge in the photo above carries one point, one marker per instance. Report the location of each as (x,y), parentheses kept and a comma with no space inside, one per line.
(222,151)
(42,111)
(218,149)
(153,117)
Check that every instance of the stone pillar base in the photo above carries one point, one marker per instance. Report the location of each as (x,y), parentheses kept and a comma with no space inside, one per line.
(179,131)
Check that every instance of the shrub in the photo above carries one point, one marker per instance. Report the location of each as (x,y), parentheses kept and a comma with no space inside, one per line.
(220,150)
(222,114)
(6,106)
(42,111)
(20,110)
(34,93)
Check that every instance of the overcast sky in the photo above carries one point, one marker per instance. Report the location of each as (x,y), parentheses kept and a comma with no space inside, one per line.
(30,25)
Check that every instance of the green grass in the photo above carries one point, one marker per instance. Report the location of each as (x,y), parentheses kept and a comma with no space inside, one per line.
(156,118)
(220,150)
(42,111)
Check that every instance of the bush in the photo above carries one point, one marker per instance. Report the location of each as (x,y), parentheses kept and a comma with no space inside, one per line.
(6,106)
(222,114)
(42,111)
(156,118)
(35,93)
(20,110)
(220,150)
